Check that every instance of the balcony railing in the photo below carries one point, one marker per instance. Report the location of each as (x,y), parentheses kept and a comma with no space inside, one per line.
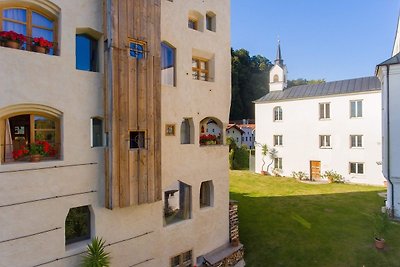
(28,45)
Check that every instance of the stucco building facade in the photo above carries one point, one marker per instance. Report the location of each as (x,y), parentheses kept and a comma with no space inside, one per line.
(117,103)
(321,127)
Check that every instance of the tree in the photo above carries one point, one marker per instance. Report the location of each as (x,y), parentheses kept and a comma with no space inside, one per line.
(250,81)
(273,154)
(301,81)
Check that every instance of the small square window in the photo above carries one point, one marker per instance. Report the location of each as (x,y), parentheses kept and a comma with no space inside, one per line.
(137,139)
(137,49)
(192,24)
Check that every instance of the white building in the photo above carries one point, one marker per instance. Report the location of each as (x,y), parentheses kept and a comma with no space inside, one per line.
(389,74)
(248,136)
(234,131)
(120,99)
(322,127)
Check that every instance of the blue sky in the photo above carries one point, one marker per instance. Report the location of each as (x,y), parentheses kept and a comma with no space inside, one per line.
(330,39)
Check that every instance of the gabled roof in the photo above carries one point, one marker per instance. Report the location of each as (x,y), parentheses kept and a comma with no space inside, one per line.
(364,84)
(391,61)
(250,125)
(230,126)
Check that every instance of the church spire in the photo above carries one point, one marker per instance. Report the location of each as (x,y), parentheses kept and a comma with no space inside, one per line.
(279,60)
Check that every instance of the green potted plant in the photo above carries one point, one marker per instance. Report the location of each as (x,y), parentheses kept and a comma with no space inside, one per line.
(381,226)
(96,256)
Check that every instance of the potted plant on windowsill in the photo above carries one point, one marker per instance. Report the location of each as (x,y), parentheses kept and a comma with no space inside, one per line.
(12,39)
(41,45)
(36,151)
(381,227)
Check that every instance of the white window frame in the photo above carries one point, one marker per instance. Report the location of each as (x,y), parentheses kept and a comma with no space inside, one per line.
(325,141)
(357,113)
(358,141)
(278,140)
(324,111)
(278,113)
(357,167)
(278,163)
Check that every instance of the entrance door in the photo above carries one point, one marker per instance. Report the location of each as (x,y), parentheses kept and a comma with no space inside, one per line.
(315,170)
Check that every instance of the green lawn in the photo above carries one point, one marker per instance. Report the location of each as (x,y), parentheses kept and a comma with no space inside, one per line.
(287,223)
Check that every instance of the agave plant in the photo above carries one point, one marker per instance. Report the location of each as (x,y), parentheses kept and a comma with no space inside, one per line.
(96,255)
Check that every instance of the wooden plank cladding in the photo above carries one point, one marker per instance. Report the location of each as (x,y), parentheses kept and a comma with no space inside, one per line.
(132,102)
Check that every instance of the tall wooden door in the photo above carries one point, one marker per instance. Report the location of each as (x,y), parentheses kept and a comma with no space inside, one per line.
(315,170)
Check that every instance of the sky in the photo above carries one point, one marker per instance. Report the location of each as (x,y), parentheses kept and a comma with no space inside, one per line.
(320,39)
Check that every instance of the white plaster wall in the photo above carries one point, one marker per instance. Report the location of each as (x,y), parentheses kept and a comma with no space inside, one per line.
(236,135)
(196,99)
(248,132)
(301,132)
(391,142)
(29,77)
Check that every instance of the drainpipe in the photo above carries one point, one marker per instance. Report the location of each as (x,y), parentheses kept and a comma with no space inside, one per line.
(110,101)
(388,139)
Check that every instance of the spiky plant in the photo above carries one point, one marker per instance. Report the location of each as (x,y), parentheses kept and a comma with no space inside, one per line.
(96,255)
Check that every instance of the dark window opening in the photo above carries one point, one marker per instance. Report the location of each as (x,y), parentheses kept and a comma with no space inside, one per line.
(137,139)
(77,225)
(86,53)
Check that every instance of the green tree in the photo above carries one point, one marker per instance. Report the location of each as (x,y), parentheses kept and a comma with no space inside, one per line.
(301,81)
(250,81)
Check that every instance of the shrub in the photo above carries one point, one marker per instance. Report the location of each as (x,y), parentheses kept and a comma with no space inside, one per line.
(300,175)
(96,255)
(241,159)
(333,177)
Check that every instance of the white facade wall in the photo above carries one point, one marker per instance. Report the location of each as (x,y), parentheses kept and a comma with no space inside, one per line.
(301,128)
(249,134)
(32,78)
(236,135)
(391,142)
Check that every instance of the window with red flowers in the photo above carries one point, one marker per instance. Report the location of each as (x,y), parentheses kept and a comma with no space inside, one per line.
(29,134)
(38,26)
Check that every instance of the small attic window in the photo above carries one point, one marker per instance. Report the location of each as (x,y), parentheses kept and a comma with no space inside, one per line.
(137,49)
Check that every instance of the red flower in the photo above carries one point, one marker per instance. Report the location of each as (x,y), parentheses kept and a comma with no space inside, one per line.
(40,41)
(12,36)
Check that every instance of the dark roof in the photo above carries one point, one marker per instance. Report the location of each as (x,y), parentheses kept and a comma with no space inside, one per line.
(391,61)
(323,89)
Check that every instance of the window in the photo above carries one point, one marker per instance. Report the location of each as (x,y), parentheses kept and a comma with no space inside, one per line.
(177,203)
(278,163)
(324,111)
(187,131)
(356,168)
(356,141)
(86,53)
(192,24)
(97,132)
(22,131)
(77,225)
(137,140)
(29,22)
(278,140)
(182,260)
(211,21)
(200,69)
(356,109)
(137,49)
(167,64)
(278,114)
(206,126)
(276,78)
(324,141)
(206,194)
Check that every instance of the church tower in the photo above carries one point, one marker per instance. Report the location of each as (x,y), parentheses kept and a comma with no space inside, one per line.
(278,73)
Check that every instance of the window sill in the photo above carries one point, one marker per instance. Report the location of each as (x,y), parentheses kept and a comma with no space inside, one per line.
(77,247)
(356,147)
(325,119)
(355,118)
(325,147)
(206,208)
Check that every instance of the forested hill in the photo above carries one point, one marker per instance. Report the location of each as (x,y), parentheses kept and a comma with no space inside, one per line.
(250,81)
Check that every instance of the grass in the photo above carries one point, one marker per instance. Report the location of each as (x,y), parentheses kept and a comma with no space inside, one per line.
(287,223)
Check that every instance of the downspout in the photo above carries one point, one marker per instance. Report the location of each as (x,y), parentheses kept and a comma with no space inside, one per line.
(110,101)
(388,139)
